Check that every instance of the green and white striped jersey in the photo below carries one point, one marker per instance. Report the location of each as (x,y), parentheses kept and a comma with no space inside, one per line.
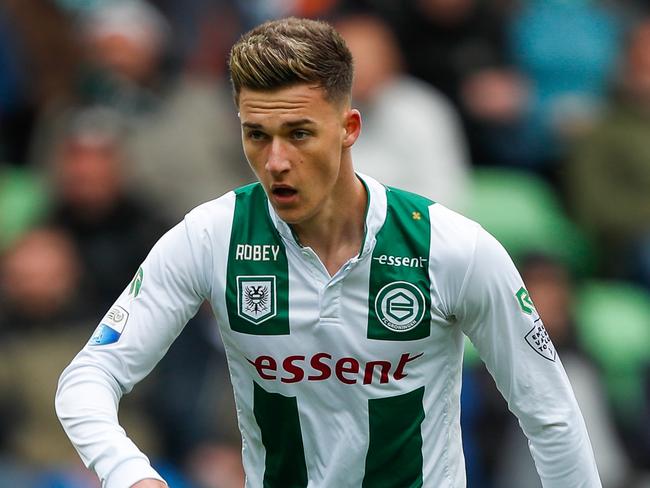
(351,380)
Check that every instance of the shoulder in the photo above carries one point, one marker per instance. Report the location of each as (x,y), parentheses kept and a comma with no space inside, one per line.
(216,218)
(454,239)
(452,254)
(463,243)
(452,232)
(213,215)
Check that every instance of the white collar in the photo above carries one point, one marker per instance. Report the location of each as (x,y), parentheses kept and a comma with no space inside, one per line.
(375,216)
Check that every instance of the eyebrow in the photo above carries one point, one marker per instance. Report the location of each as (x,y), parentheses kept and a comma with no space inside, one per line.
(286,125)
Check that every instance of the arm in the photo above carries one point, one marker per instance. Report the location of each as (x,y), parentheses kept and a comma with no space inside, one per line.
(506,331)
(150,483)
(129,342)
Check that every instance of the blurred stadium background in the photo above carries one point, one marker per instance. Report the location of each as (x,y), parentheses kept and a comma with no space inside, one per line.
(530,116)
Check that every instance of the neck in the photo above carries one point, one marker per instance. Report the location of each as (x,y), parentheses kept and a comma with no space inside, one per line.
(336,233)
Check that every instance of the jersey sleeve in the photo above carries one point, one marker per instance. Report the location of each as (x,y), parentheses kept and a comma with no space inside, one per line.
(132,337)
(500,319)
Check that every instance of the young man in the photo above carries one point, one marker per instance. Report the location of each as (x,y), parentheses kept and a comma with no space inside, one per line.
(342,306)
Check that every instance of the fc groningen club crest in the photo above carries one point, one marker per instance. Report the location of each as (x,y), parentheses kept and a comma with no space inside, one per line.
(400,306)
(256,298)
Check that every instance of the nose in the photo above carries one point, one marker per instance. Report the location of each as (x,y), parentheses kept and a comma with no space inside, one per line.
(277,160)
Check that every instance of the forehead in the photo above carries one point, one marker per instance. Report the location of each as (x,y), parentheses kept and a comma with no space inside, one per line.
(267,107)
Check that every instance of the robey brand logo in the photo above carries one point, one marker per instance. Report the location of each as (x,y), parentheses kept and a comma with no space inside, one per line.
(257,252)
(322,366)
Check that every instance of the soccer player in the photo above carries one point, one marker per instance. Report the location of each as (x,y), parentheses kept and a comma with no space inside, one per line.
(342,305)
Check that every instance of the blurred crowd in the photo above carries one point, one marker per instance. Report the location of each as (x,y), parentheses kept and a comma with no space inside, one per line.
(116,118)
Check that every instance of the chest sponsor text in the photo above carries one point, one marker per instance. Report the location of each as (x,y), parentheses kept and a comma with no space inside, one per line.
(405,261)
(322,366)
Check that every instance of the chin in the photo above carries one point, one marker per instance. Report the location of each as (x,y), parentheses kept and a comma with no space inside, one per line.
(290,216)
(293,215)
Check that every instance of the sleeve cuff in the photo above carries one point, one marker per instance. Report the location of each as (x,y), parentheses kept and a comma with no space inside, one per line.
(130,472)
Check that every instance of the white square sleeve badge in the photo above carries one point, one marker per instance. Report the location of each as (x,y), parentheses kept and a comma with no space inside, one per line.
(111,327)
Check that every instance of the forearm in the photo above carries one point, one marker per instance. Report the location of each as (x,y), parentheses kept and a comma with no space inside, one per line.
(562,452)
(86,404)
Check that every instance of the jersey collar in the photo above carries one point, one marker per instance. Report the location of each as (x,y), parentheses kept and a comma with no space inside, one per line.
(375,216)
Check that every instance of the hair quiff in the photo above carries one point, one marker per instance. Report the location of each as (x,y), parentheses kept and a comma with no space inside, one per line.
(284,52)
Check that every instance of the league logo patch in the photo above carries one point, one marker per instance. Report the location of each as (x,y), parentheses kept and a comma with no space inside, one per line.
(525,302)
(111,327)
(400,306)
(539,340)
(256,298)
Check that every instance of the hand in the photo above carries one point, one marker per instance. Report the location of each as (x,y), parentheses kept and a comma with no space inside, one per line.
(150,483)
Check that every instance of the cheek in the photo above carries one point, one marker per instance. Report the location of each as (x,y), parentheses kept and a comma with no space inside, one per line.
(253,157)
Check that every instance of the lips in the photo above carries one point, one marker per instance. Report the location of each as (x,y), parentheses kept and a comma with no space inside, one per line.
(283,191)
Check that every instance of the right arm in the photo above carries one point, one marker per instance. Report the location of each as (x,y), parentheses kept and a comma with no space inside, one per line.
(130,340)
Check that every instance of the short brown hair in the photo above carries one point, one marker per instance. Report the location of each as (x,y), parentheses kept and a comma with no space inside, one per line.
(284,52)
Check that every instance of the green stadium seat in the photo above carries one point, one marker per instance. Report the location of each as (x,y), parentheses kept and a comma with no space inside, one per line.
(523,212)
(613,321)
(23,202)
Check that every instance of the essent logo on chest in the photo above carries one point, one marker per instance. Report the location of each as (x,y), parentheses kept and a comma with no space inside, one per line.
(399,261)
(322,366)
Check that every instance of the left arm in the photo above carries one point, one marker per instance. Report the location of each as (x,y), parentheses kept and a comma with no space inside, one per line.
(494,310)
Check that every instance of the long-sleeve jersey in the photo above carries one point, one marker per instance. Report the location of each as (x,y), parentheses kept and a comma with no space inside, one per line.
(351,380)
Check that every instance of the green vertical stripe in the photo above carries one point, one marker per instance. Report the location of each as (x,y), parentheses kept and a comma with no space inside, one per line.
(277,417)
(253,229)
(399,285)
(394,458)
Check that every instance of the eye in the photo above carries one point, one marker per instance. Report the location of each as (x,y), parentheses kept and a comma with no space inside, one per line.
(255,135)
(300,134)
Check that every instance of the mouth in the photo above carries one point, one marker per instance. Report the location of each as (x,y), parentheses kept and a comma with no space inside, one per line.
(283,193)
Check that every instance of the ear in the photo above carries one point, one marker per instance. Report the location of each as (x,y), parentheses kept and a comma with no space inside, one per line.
(351,127)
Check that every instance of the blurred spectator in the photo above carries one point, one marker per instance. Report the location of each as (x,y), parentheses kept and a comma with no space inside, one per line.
(44,321)
(446,41)
(568,51)
(608,177)
(613,318)
(201,436)
(190,151)
(38,59)
(40,275)
(125,43)
(184,128)
(460,47)
(510,466)
(180,125)
(497,108)
(213,27)
(112,229)
(13,136)
(255,12)
(411,136)
(550,287)
(41,327)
